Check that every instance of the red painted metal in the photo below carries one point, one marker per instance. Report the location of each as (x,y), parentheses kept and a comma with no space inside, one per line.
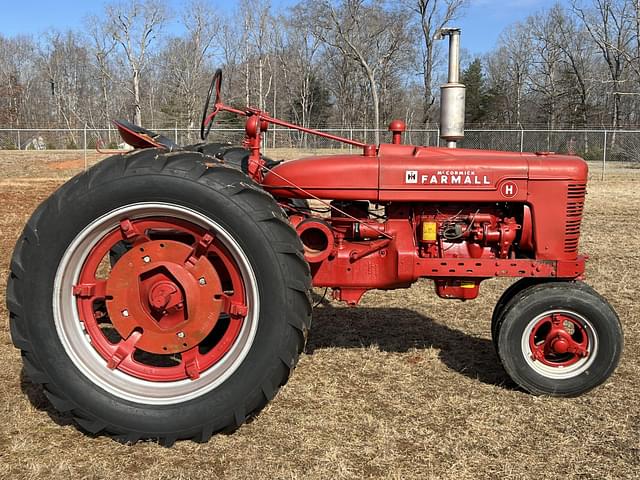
(173,303)
(259,116)
(402,212)
(559,341)
(396,127)
(317,238)
(336,177)
(164,297)
(515,218)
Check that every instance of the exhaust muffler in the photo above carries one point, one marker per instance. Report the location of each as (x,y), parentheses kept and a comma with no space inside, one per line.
(452,93)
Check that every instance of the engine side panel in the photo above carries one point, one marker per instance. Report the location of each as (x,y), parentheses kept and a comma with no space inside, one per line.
(515,215)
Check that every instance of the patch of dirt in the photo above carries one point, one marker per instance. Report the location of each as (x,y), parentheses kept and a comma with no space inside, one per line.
(47,163)
(66,165)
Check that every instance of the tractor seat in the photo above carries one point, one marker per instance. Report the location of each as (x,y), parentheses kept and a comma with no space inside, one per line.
(233,156)
(139,137)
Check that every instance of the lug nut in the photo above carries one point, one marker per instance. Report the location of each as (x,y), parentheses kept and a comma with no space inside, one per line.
(146,259)
(180,334)
(125,313)
(202,281)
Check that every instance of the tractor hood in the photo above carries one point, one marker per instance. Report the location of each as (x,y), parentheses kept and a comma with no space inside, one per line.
(340,177)
(408,173)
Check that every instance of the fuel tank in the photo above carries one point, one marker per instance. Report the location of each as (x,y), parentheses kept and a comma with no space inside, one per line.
(405,173)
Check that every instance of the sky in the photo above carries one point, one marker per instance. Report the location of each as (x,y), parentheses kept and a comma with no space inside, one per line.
(484,20)
(481,25)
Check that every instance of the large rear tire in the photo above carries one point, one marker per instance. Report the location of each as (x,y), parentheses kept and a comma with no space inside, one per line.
(191,329)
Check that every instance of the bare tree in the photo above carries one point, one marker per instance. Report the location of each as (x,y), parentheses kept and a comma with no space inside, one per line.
(366,33)
(65,64)
(350,62)
(228,36)
(258,38)
(185,60)
(102,48)
(546,66)
(298,52)
(509,68)
(635,22)
(18,75)
(344,80)
(135,26)
(607,21)
(431,16)
(579,63)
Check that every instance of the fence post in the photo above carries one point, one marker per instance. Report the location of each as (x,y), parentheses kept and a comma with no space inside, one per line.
(350,138)
(175,132)
(86,162)
(521,140)
(604,155)
(438,138)
(19,142)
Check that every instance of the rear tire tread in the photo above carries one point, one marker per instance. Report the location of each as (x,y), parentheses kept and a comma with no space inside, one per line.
(245,194)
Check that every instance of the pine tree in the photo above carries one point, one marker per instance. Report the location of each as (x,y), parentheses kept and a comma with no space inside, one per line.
(476,93)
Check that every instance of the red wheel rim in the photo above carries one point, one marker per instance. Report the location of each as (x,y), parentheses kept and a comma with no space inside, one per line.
(559,340)
(189,302)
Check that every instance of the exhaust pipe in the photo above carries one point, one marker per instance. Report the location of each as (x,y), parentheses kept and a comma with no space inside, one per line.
(452,93)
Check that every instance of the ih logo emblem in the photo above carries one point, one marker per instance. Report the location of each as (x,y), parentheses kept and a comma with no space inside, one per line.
(509,189)
(411,176)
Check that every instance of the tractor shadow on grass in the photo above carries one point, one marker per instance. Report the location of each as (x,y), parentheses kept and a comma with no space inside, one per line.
(391,329)
(400,330)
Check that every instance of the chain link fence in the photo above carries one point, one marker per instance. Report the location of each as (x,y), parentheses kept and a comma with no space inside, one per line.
(602,146)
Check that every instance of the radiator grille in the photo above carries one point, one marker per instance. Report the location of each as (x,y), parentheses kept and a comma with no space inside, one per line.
(575,206)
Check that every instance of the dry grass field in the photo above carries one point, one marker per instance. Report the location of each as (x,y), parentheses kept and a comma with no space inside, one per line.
(404,386)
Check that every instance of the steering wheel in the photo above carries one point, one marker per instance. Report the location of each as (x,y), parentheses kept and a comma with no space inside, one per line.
(207,120)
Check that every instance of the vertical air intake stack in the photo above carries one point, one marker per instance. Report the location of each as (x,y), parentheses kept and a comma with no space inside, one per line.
(452,93)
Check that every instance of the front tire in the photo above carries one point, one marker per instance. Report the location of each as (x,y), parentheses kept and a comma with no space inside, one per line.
(507,296)
(559,339)
(191,329)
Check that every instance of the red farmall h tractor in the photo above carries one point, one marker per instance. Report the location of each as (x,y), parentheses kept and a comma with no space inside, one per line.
(165,293)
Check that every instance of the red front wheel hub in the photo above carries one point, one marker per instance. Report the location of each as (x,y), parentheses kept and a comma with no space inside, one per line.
(559,344)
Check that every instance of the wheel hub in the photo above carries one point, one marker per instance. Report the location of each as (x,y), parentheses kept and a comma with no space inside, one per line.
(170,298)
(553,345)
(560,345)
(164,295)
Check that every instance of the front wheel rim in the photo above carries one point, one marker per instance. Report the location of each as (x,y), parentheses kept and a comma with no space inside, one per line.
(559,344)
(115,364)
